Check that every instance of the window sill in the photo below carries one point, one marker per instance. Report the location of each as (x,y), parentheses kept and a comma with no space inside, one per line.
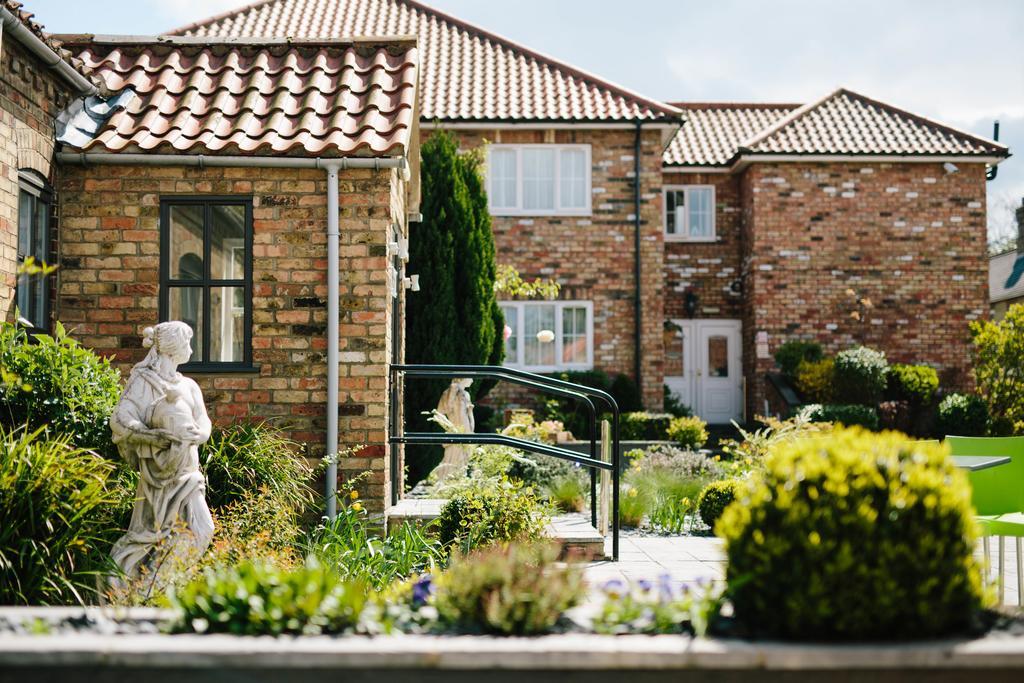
(499,213)
(219,369)
(695,240)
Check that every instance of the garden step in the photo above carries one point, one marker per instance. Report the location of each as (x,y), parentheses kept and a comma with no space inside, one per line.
(573,532)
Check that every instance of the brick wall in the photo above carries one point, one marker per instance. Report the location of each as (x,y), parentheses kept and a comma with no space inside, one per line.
(108,288)
(592,256)
(910,237)
(30,98)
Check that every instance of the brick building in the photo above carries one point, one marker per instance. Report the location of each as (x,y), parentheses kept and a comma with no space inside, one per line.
(690,240)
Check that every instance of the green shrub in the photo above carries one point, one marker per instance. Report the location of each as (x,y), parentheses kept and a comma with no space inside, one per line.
(673,405)
(860,375)
(791,354)
(57,505)
(962,415)
(247,457)
(634,505)
(348,547)
(853,535)
(849,415)
(53,382)
(479,516)
(256,599)
(257,528)
(515,589)
(688,432)
(915,384)
(568,493)
(663,483)
(815,380)
(644,426)
(572,413)
(626,393)
(999,367)
(715,497)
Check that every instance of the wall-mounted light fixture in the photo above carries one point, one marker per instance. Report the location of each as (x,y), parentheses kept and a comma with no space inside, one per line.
(690,303)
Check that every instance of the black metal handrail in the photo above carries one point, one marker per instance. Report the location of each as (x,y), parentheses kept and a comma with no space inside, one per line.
(579,392)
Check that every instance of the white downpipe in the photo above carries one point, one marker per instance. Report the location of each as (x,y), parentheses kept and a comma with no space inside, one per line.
(333,303)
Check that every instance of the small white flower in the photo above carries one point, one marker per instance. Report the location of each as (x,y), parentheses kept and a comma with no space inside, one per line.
(545,336)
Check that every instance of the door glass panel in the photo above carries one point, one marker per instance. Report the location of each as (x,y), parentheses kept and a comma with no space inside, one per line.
(718,356)
(673,340)
(186,305)
(227,242)
(186,242)
(537,319)
(227,316)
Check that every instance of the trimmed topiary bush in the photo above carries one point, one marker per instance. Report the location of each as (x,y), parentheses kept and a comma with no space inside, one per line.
(644,426)
(962,415)
(849,415)
(55,383)
(852,535)
(915,384)
(713,500)
(791,354)
(860,375)
(688,432)
(815,380)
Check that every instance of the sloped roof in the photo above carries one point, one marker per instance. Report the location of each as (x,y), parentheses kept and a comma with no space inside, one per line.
(714,131)
(841,123)
(27,18)
(1006,276)
(324,98)
(468,74)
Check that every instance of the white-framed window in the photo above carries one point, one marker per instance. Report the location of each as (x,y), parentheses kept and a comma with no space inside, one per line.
(690,213)
(571,323)
(538,180)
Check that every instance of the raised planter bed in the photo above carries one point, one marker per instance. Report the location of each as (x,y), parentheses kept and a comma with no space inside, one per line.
(107,657)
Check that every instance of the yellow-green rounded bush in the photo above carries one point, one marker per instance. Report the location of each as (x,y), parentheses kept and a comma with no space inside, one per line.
(852,535)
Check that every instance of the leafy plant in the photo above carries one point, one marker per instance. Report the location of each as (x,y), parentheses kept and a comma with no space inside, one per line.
(514,589)
(657,607)
(510,285)
(860,375)
(572,413)
(792,353)
(756,445)
(633,506)
(688,432)
(849,415)
(348,547)
(482,515)
(257,528)
(962,415)
(815,380)
(915,384)
(246,457)
(644,426)
(256,599)
(999,366)
(57,506)
(673,405)
(54,383)
(568,493)
(713,500)
(879,529)
(663,484)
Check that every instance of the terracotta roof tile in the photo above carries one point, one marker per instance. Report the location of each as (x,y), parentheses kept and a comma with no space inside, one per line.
(842,123)
(469,74)
(330,98)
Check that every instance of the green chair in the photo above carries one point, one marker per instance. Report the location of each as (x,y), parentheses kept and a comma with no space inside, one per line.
(998,496)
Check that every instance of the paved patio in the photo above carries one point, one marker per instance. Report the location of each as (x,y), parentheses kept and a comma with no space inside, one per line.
(688,558)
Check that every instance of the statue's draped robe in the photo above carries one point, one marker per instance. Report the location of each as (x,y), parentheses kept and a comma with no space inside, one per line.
(172,490)
(456,405)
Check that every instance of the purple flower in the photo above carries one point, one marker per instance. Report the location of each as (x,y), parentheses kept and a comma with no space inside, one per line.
(422,590)
(614,587)
(645,585)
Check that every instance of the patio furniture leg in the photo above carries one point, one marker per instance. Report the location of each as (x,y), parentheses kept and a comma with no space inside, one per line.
(1020,573)
(985,565)
(1002,568)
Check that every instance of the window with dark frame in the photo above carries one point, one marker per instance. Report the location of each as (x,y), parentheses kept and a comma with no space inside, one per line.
(34,205)
(206,277)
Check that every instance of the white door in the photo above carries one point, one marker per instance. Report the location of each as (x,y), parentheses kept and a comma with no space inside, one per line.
(705,358)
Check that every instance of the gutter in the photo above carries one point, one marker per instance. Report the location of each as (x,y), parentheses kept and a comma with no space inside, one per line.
(332,166)
(14,27)
(637,268)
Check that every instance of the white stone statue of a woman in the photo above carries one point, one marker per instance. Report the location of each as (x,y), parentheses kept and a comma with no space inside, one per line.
(456,405)
(158,426)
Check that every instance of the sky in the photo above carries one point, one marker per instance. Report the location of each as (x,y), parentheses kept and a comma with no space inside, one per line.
(959,62)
